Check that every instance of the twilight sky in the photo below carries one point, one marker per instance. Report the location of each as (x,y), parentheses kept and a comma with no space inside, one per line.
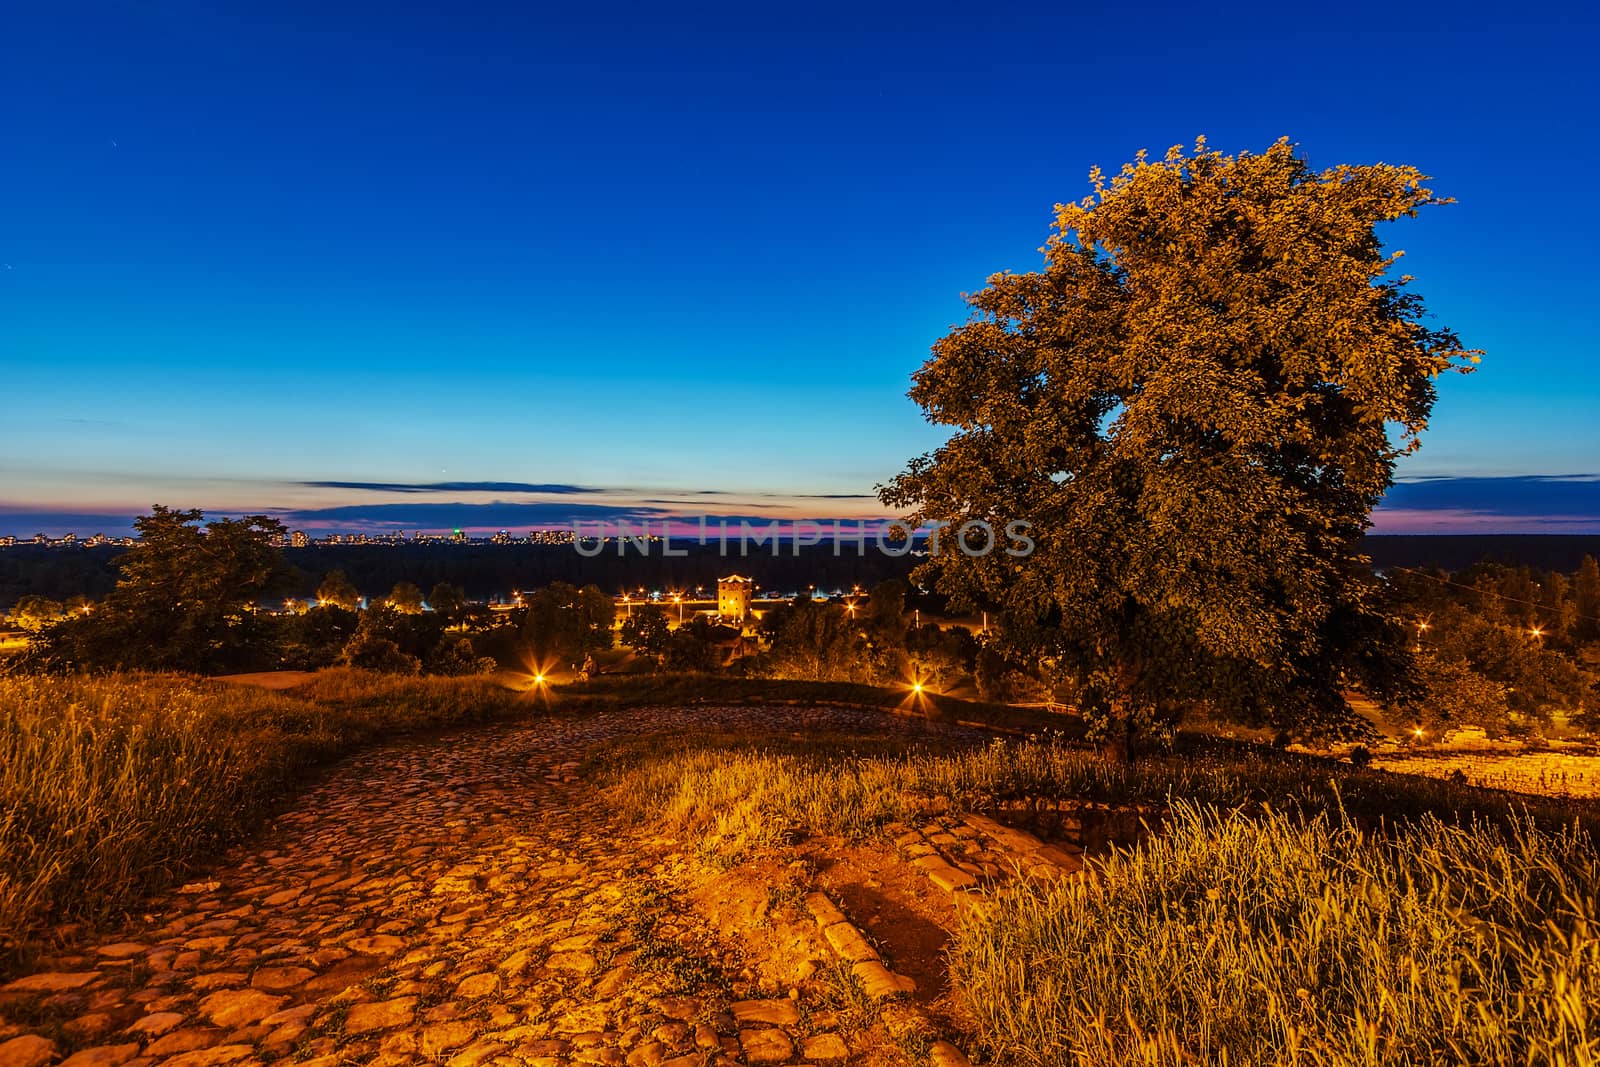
(392,265)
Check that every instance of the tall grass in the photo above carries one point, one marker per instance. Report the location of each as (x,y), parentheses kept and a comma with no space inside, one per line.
(111,786)
(734,798)
(1289,910)
(1265,939)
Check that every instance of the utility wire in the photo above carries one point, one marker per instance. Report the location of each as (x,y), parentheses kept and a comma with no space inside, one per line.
(1485,592)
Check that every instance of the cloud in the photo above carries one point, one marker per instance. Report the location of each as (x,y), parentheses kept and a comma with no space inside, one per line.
(1567,497)
(504,515)
(24,522)
(455,487)
(432,516)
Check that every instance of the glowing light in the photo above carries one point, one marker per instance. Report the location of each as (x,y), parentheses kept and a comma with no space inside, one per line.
(916,687)
(1537,632)
(538,679)
(1417,733)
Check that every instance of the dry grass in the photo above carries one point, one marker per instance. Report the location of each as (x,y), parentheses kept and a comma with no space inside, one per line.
(1264,939)
(1264,924)
(735,798)
(112,786)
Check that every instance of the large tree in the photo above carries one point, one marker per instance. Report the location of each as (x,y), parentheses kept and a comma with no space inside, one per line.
(1196,404)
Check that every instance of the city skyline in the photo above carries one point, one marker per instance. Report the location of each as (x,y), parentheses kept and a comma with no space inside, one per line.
(370,270)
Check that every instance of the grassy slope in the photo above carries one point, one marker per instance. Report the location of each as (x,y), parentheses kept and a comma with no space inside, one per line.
(1263,939)
(1291,910)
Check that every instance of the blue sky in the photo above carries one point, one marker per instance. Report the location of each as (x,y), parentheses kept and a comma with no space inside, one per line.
(694,253)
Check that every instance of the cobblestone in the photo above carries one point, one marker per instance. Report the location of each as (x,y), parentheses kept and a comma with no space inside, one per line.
(466,900)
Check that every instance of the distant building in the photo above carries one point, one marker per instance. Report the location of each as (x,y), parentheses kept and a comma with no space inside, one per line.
(733,597)
(300,539)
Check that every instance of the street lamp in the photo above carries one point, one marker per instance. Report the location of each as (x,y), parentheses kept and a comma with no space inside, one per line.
(677,598)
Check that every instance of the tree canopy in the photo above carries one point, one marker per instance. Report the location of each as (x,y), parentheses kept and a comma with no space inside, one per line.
(185,597)
(405,598)
(566,623)
(646,630)
(338,591)
(1196,403)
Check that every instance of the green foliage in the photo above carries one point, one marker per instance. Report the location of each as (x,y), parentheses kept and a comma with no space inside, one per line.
(447,600)
(455,657)
(1586,601)
(405,598)
(999,678)
(337,591)
(1191,405)
(941,657)
(565,623)
(35,613)
(1453,694)
(690,650)
(815,642)
(646,630)
(317,637)
(1497,642)
(1266,940)
(185,598)
(370,651)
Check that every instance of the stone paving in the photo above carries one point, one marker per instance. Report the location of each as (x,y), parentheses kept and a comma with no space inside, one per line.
(461,901)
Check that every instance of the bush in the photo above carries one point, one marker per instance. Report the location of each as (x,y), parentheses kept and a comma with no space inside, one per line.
(369,652)
(455,658)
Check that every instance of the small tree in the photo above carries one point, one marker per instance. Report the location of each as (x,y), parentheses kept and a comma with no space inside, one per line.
(34,613)
(1586,600)
(690,650)
(337,591)
(567,623)
(646,630)
(447,600)
(405,598)
(1191,405)
(818,643)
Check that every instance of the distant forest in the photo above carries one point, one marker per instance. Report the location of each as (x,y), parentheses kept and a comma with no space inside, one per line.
(486,571)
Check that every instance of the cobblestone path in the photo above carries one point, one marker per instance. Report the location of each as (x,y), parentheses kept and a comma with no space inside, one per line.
(463,900)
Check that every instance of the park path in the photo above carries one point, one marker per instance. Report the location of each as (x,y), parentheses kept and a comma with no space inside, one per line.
(463,900)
